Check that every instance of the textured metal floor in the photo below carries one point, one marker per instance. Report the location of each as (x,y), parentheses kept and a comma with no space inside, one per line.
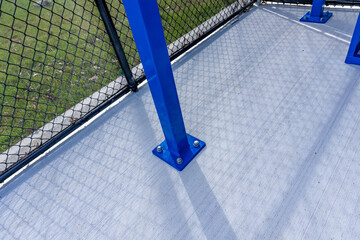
(279,111)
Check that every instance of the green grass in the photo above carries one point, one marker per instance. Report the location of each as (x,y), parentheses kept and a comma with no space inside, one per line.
(52,58)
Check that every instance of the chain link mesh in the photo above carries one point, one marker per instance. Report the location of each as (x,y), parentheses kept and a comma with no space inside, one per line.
(57,63)
(183,21)
(53,56)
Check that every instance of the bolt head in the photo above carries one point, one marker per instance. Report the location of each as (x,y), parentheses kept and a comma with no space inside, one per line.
(196,143)
(159,149)
(179,160)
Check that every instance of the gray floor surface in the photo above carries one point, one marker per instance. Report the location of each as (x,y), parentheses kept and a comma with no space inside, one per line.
(279,111)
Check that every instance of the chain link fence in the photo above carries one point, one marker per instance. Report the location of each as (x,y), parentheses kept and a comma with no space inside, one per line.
(58,64)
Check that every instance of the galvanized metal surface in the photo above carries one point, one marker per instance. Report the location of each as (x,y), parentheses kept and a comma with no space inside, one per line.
(279,110)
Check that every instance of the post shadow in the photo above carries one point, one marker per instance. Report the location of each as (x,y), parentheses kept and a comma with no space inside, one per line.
(214,222)
(286,207)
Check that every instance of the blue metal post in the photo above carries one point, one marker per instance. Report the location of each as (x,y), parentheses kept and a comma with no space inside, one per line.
(353,55)
(179,148)
(317,14)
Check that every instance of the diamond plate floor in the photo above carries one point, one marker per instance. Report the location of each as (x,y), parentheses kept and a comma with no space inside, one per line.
(279,111)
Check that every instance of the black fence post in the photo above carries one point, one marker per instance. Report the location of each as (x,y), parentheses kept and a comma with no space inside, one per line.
(110,28)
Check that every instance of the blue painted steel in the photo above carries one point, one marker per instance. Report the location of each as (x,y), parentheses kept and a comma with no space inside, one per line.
(317,14)
(353,55)
(145,23)
(186,155)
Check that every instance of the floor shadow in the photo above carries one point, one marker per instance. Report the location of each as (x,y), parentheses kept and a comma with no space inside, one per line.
(284,210)
(170,200)
(94,184)
(214,222)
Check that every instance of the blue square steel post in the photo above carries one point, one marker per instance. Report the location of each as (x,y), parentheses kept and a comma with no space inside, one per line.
(353,55)
(317,14)
(179,148)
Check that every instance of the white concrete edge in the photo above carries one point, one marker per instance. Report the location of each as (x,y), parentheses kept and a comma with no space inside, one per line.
(66,138)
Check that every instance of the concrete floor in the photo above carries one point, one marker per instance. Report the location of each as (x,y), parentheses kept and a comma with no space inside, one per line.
(280,113)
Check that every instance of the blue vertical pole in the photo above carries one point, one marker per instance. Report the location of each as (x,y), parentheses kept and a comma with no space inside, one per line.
(317,13)
(179,148)
(353,55)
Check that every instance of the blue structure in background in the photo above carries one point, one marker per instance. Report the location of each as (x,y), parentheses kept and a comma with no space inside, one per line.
(353,55)
(179,148)
(317,14)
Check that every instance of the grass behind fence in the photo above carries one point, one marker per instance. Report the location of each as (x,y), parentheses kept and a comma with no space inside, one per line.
(55,56)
